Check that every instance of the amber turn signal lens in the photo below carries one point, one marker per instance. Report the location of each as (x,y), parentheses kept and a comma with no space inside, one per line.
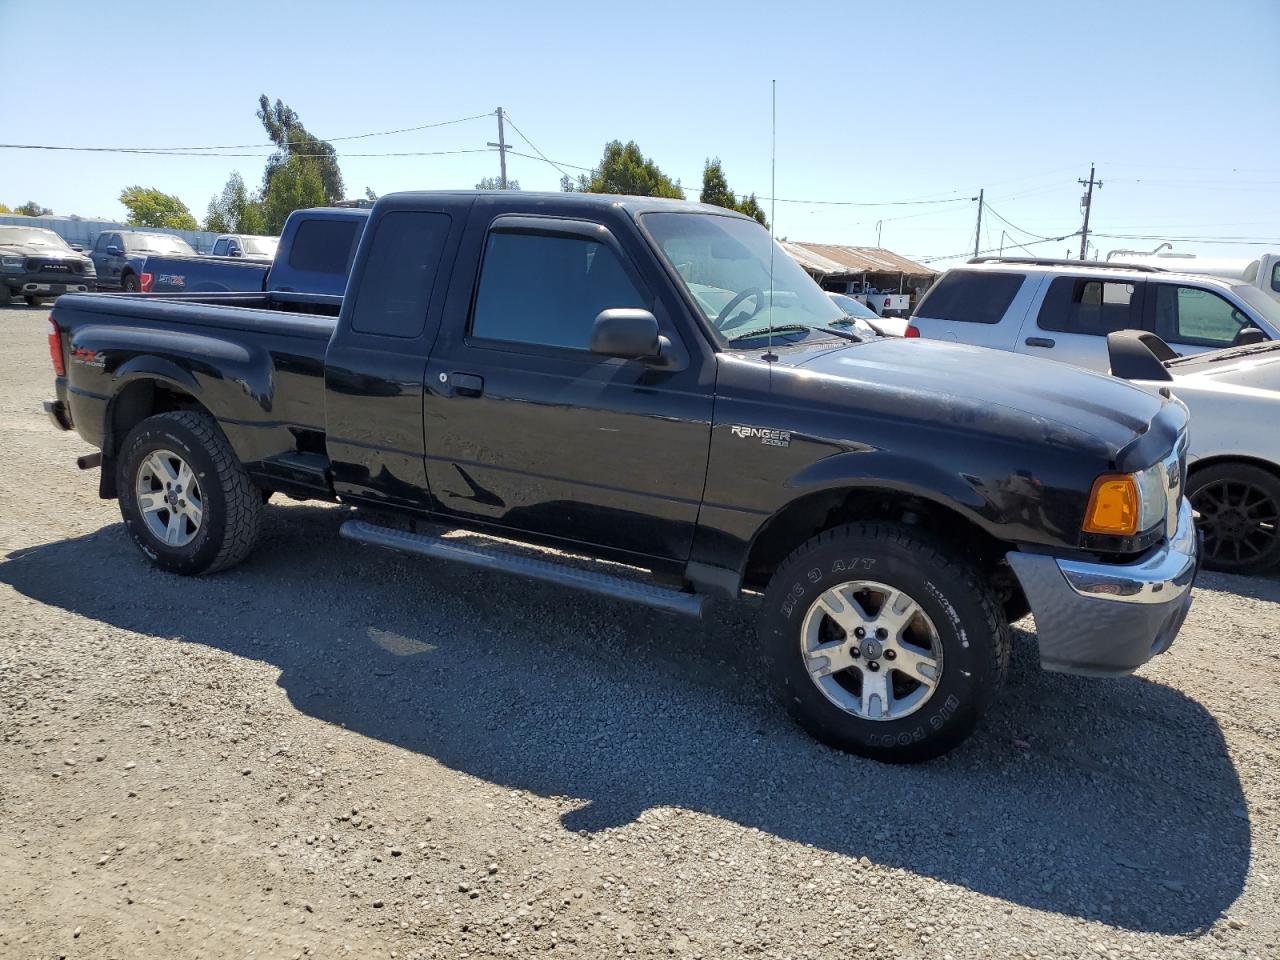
(1113,506)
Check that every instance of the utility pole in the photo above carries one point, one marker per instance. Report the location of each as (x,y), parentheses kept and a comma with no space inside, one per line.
(502,152)
(879,227)
(977,234)
(1087,202)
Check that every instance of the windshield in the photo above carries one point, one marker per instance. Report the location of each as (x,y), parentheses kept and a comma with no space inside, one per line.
(31,237)
(157,243)
(724,263)
(852,307)
(259,246)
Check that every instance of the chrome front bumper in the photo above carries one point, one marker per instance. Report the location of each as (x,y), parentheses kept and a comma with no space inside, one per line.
(1106,619)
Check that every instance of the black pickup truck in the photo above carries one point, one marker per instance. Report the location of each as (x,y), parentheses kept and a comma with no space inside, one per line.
(652,383)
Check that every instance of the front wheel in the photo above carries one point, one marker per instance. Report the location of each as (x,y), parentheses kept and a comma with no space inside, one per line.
(32,301)
(186,499)
(883,643)
(129,283)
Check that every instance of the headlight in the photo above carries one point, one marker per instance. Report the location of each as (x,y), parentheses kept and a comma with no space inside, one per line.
(1123,504)
(12,264)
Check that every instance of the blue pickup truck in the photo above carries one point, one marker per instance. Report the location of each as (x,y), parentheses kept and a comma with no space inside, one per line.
(314,257)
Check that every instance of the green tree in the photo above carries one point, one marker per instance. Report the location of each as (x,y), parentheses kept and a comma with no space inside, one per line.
(370,195)
(32,209)
(567,184)
(149,207)
(294,142)
(4,209)
(235,210)
(492,183)
(715,187)
(624,169)
(715,190)
(751,207)
(295,185)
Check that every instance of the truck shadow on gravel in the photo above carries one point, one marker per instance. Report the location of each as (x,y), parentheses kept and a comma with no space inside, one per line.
(1110,800)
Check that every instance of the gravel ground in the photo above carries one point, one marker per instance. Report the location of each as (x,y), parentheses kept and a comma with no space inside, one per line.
(332,750)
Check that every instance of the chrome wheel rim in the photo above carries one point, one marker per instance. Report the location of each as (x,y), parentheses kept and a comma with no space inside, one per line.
(169,498)
(871,650)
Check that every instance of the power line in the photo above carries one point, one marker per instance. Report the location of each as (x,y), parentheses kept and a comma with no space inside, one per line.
(1245,241)
(996,213)
(979,253)
(534,148)
(199,151)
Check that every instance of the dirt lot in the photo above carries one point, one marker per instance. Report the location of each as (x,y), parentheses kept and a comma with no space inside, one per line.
(331,750)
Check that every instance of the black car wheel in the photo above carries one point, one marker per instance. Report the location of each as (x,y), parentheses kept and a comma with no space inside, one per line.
(1239,507)
(129,283)
(32,301)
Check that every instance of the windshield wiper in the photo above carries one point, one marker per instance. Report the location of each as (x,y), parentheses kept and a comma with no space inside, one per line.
(1227,353)
(764,331)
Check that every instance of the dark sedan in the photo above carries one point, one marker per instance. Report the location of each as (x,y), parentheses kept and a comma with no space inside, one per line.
(36,264)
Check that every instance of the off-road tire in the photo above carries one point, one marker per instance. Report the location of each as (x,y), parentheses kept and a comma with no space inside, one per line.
(953,593)
(233,505)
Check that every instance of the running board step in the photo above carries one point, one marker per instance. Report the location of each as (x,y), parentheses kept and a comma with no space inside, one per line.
(492,558)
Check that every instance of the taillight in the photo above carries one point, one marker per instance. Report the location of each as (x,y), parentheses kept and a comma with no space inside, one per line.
(911,331)
(145,283)
(55,348)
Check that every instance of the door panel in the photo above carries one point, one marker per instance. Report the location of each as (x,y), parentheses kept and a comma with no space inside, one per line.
(549,439)
(1076,314)
(376,362)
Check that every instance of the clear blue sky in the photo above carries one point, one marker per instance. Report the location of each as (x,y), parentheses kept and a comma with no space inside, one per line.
(1175,100)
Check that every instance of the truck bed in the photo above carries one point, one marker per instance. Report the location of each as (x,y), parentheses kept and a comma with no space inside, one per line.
(274,357)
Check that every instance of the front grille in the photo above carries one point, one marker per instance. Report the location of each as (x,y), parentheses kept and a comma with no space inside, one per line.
(49,265)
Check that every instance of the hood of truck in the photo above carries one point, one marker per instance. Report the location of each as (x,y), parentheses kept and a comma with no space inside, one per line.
(982,389)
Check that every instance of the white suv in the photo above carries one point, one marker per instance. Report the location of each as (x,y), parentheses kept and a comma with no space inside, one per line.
(1064,309)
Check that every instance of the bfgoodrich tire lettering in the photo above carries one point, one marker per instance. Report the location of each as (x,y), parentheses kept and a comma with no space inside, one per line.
(957,603)
(230,505)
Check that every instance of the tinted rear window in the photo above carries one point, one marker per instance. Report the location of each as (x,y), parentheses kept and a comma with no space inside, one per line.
(1089,307)
(971,296)
(400,273)
(323,246)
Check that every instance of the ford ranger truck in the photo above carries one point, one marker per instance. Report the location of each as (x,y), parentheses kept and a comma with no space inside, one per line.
(653,383)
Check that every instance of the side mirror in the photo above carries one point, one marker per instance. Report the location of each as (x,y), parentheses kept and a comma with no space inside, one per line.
(626,332)
(114,251)
(1248,336)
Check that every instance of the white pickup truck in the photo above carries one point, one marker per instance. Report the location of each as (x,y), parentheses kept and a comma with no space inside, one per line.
(1262,272)
(1233,457)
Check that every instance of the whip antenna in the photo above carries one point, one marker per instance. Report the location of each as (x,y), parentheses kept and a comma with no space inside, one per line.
(773,207)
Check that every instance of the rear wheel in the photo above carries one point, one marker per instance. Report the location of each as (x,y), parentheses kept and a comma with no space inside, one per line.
(186,499)
(883,643)
(1239,507)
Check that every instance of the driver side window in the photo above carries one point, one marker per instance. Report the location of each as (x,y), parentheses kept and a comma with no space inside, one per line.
(547,290)
(1195,316)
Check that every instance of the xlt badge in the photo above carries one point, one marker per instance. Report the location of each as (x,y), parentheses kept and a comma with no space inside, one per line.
(772,438)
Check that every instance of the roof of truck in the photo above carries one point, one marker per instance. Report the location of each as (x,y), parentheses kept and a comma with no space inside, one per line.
(585,201)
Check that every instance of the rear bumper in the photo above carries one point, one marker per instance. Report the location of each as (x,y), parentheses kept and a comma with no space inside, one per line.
(58,414)
(1105,619)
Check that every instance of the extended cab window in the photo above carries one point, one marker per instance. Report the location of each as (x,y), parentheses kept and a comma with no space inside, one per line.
(971,296)
(323,246)
(1090,307)
(400,273)
(548,290)
(1196,316)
